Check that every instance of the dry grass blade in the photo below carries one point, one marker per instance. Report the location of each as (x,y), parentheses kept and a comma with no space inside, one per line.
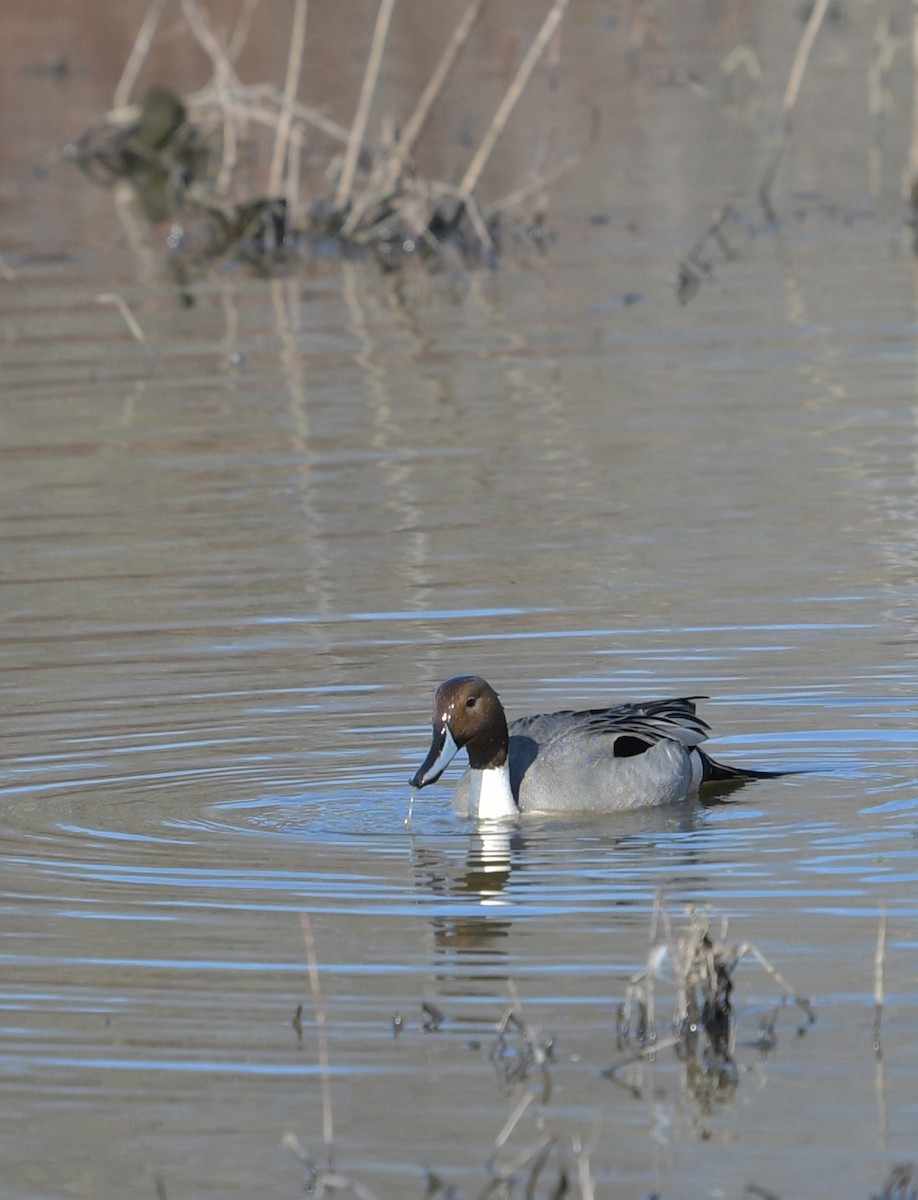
(527,66)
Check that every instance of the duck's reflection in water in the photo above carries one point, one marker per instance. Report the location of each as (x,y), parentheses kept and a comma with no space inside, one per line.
(475,897)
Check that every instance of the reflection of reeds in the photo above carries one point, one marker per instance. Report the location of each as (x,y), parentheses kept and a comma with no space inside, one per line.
(519,1052)
(378,198)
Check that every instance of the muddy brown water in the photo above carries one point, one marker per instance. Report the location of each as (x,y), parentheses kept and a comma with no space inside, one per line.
(235,564)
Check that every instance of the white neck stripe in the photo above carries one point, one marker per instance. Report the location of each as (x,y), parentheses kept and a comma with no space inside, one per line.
(490,796)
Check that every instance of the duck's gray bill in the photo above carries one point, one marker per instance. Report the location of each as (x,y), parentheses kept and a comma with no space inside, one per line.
(441,753)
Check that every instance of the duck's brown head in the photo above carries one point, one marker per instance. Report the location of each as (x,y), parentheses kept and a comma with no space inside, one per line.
(467,714)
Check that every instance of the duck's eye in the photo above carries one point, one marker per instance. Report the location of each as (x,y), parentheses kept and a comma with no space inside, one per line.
(471,702)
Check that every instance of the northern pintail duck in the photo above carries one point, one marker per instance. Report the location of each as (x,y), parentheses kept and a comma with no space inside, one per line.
(596,760)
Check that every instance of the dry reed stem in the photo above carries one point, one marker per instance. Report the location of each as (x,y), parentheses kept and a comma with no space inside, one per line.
(199,24)
(802,57)
(129,319)
(801,1001)
(584,1175)
(471,207)
(393,166)
(422,110)
(332,1182)
(249,103)
(139,52)
(791,92)
(225,79)
(418,120)
(531,1154)
(640,1052)
(291,86)
(913,152)
(292,195)
(483,153)
(530,1037)
(367,90)
(512,1121)
(885,48)
(315,987)
(242,30)
(879,987)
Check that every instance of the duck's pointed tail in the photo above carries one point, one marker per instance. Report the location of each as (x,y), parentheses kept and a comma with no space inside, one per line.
(713,771)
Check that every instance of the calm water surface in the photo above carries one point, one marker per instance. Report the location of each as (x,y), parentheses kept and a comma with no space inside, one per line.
(234,567)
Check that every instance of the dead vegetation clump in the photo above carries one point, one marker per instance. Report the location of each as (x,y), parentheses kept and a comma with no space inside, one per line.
(702,1026)
(188,159)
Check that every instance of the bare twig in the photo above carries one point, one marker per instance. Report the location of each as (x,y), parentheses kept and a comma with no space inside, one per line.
(367,90)
(791,92)
(879,988)
(139,52)
(291,84)
(512,95)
